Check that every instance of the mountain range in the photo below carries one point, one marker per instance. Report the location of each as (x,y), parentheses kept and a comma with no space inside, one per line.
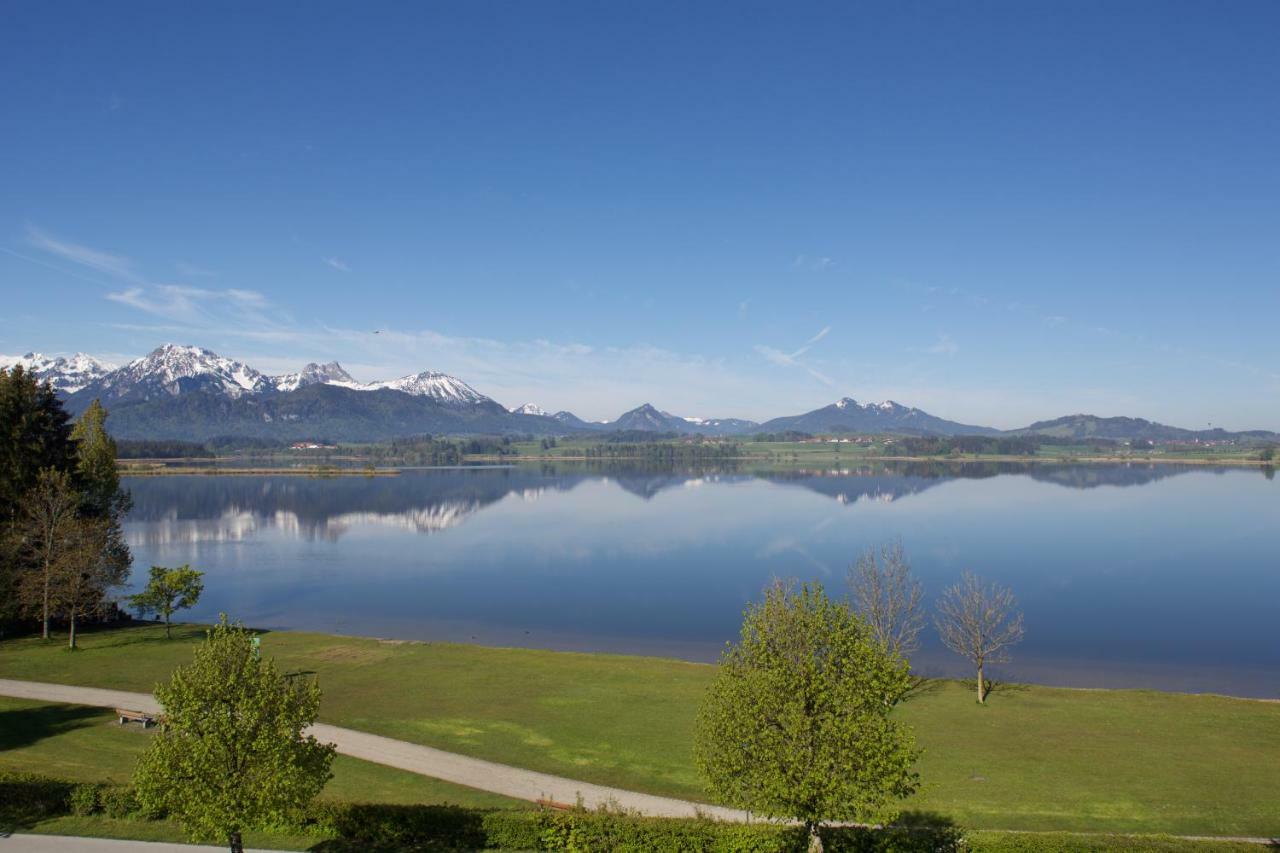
(191,393)
(848,415)
(67,375)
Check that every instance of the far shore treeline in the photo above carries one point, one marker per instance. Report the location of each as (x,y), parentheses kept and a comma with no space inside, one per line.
(654,446)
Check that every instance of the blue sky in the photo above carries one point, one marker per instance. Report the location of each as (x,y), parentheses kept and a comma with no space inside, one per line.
(999,212)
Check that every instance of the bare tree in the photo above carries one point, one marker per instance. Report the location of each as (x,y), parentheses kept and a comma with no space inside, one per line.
(978,621)
(81,586)
(887,596)
(50,538)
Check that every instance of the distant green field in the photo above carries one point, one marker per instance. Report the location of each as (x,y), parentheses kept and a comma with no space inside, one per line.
(1037,758)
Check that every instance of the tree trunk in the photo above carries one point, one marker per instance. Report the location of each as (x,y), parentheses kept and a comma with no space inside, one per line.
(815,840)
(233,839)
(71,642)
(982,687)
(44,632)
(167,635)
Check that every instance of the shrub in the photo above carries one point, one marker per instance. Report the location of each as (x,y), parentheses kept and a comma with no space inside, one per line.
(511,830)
(119,801)
(83,800)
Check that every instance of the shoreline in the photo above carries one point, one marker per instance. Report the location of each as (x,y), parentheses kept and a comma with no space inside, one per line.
(943,679)
(317,472)
(619,656)
(796,461)
(158,468)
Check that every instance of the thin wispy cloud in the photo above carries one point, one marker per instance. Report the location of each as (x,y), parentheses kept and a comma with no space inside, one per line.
(795,359)
(944,346)
(195,307)
(188,304)
(40,262)
(826,330)
(574,375)
(578,376)
(337,264)
(94,259)
(813,263)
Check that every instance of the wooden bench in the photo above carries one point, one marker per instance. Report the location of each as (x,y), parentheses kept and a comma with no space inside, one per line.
(127,716)
(552,804)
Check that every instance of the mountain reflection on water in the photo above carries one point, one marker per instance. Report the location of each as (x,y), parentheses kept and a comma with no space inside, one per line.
(169,509)
(1140,575)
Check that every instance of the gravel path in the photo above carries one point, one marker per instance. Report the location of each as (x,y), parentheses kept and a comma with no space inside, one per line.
(65,843)
(423,760)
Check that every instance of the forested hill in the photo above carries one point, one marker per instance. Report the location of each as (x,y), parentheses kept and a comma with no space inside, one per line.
(1084,427)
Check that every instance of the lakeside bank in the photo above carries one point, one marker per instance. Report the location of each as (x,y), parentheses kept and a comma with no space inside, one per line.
(1036,758)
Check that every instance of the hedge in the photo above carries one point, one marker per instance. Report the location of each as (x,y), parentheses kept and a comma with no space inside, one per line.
(27,798)
(387,827)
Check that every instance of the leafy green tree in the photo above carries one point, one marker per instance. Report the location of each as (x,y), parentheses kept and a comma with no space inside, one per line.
(168,591)
(798,722)
(96,463)
(232,754)
(99,482)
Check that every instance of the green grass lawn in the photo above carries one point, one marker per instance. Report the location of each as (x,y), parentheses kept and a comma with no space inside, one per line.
(83,744)
(1036,758)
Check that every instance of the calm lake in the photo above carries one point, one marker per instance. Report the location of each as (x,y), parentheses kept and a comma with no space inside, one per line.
(1140,576)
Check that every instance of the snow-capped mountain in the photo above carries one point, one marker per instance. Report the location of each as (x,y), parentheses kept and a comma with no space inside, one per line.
(722,426)
(67,374)
(571,420)
(438,386)
(648,418)
(314,374)
(848,415)
(170,370)
(193,393)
